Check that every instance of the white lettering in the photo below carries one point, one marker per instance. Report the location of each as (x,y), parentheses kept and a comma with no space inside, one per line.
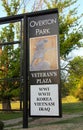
(44,74)
(47,80)
(42,31)
(42,22)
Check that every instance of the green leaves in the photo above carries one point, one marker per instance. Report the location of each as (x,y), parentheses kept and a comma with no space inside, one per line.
(76,67)
(9,56)
(70,29)
(11,7)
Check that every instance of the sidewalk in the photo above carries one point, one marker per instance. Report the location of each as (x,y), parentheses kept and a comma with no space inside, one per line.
(16,124)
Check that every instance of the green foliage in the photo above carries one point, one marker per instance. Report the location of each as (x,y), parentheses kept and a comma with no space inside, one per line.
(69,99)
(11,70)
(79,93)
(71,35)
(70,29)
(7,34)
(65,88)
(76,67)
(11,6)
(75,79)
(9,56)
(9,64)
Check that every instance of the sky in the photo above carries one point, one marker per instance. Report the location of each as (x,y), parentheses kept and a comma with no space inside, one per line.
(76,52)
(30,3)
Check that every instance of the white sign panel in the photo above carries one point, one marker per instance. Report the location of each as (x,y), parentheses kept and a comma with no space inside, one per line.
(44,100)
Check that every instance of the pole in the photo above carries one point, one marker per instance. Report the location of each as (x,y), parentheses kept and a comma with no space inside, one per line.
(25,89)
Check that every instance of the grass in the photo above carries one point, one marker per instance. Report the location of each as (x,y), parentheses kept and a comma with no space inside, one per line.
(72,108)
(10,115)
(71,123)
(67,108)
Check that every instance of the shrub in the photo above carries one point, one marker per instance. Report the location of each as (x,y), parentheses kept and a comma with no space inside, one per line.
(1,125)
(69,99)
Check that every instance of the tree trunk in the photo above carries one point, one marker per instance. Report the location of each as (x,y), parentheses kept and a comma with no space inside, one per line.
(6,105)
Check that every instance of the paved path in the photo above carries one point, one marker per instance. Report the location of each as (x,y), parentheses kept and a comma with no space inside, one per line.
(36,121)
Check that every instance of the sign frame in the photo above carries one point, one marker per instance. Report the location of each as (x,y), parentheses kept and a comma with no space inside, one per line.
(32,36)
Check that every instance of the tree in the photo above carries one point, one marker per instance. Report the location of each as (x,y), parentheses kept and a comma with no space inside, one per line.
(71,35)
(11,6)
(10,56)
(38,5)
(75,79)
(10,68)
(9,59)
(70,29)
(76,67)
(79,92)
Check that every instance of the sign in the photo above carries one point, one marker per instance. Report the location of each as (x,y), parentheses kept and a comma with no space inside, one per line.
(44,100)
(44,68)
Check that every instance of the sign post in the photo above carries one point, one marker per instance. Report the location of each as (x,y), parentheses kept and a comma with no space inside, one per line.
(44,68)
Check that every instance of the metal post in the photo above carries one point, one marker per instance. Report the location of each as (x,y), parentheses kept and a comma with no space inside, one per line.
(25,90)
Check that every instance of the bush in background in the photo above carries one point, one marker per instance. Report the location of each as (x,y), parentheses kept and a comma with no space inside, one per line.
(69,99)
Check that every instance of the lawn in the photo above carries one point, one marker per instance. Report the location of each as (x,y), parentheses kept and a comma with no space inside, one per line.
(67,108)
(10,115)
(72,108)
(74,120)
